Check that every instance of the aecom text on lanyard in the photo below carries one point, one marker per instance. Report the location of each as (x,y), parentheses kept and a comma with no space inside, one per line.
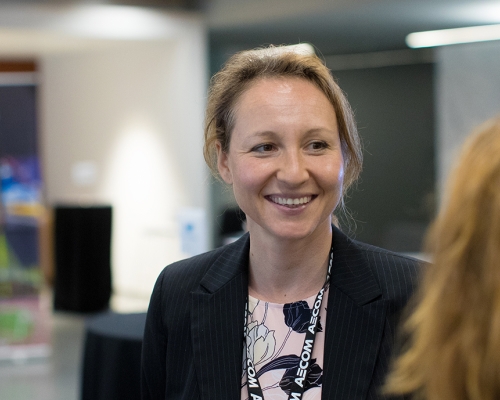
(298,385)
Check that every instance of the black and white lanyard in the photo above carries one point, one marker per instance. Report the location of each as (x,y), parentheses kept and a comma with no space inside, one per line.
(298,385)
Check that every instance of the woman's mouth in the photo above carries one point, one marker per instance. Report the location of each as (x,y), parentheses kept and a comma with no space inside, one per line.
(290,201)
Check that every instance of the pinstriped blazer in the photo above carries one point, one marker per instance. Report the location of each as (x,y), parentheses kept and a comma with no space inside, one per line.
(193,339)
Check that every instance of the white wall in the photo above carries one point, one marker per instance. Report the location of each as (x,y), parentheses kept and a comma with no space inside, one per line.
(134,111)
(468,93)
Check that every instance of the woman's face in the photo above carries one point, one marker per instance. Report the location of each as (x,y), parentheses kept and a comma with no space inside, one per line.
(284,161)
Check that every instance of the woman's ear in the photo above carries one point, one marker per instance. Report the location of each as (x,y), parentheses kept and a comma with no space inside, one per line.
(223,164)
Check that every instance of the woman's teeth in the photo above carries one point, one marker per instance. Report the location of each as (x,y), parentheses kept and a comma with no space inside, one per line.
(291,202)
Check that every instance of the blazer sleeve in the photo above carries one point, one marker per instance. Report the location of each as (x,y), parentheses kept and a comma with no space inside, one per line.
(153,364)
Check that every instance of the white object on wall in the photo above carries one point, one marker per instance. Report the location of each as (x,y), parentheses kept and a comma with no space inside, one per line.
(84,173)
(193,230)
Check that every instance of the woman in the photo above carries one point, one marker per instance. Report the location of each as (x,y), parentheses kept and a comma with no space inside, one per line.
(454,332)
(294,309)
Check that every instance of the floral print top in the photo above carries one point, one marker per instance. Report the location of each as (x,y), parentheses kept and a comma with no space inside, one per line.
(276,335)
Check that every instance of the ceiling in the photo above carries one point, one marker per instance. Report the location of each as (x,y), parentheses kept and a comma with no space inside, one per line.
(340,26)
(332,26)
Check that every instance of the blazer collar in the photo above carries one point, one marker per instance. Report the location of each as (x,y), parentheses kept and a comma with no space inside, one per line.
(351,272)
(232,262)
(349,265)
(355,322)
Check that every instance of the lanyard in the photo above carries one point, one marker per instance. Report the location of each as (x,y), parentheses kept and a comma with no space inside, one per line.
(298,385)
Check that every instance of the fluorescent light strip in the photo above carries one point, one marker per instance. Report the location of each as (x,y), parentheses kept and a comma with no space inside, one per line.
(446,37)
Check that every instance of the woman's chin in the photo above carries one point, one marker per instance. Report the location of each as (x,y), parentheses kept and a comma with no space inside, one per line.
(289,233)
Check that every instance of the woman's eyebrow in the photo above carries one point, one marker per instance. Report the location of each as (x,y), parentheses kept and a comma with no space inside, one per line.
(312,131)
(263,134)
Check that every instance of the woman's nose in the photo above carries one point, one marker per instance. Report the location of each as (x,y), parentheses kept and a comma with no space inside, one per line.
(292,169)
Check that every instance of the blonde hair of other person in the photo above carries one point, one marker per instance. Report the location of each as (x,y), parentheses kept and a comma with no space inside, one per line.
(454,332)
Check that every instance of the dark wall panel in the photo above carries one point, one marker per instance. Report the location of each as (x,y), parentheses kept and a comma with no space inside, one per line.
(17,121)
(394,108)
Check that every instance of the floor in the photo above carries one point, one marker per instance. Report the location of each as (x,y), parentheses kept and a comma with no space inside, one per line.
(57,376)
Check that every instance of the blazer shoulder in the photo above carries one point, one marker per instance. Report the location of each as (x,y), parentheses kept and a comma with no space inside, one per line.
(397,274)
(389,257)
(187,273)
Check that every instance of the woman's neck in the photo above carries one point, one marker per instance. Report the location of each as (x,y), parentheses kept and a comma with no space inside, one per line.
(284,271)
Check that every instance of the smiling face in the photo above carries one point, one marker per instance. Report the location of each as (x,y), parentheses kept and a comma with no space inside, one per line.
(284,161)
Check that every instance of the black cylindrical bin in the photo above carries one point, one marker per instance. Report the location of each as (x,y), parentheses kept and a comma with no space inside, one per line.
(82,253)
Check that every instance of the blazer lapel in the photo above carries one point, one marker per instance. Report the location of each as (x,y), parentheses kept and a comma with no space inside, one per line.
(217,317)
(354,324)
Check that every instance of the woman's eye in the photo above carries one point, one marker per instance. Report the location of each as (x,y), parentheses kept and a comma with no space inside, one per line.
(263,148)
(318,145)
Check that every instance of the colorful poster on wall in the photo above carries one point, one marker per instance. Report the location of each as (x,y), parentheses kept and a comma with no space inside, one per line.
(24,330)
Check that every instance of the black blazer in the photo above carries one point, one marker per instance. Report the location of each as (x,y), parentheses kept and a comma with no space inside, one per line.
(193,340)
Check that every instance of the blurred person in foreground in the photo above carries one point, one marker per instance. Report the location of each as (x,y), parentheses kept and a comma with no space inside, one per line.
(453,348)
(294,309)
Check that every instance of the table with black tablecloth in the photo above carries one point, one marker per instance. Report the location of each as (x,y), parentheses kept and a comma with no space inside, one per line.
(112,357)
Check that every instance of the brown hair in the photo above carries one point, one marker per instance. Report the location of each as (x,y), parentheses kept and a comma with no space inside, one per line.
(246,67)
(454,332)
